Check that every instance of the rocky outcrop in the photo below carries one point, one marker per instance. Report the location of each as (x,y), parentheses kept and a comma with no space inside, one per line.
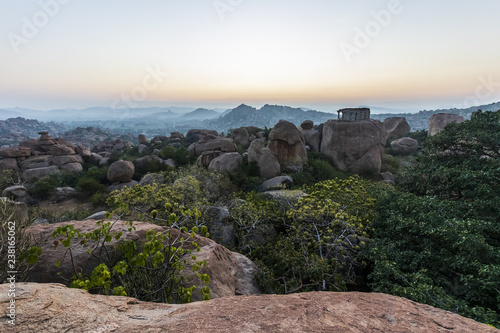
(227,164)
(438,121)
(311,136)
(194,135)
(356,146)
(288,145)
(53,308)
(396,127)
(241,136)
(210,147)
(276,183)
(223,266)
(8,164)
(269,166)
(121,172)
(142,139)
(18,192)
(404,146)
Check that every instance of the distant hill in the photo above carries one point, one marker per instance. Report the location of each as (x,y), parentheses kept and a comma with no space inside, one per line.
(420,120)
(201,114)
(267,116)
(6,114)
(15,130)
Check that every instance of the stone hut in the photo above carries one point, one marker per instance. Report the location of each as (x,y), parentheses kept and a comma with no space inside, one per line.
(354,114)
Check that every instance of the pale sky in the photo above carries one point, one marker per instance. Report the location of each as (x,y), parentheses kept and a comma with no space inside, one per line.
(322,54)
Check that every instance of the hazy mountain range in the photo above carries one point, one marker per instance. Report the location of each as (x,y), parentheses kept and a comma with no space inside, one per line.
(161,121)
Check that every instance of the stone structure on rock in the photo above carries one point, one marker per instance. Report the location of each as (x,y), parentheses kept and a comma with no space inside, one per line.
(354,114)
(396,127)
(354,146)
(438,121)
(288,145)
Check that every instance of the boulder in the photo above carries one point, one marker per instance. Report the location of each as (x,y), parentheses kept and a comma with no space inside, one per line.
(141,148)
(388,178)
(356,146)
(220,226)
(82,150)
(95,158)
(152,178)
(62,150)
(33,162)
(72,167)
(288,145)
(404,146)
(269,166)
(227,164)
(16,192)
(241,136)
(254,149)
(15,152)
(54,308)
(176,135)
(121,172)
(32,144)
(8,164)
(212,143)
(438,121)
(142,139)
(307,125)
(34,174)
(118,187)
(396,127)
(65,159)
(276,183)
(197,134)
(63,193)
(143,162)
(312,138)
(226,269)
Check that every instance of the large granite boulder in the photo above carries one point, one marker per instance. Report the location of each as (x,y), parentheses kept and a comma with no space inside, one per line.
(229,272)
(65,159)
(288,145)
(15,152)
(438,121)
(404,146)
(197,134)
(210,147)
(16,192)
(354,146)
(312,138)
(255,148)
(8,164)
(142,139)
(121,172)
(54,308)
(227,164)
(396,127)
(34,174)
(241,136)
(269,166)
(62,150)
(34,162)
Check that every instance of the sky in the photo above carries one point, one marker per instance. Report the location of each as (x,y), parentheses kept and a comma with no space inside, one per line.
(325,54)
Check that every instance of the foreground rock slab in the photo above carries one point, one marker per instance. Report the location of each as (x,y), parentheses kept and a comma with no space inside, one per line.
(54,308)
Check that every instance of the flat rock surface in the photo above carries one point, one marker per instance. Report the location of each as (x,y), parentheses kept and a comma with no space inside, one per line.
(54,308)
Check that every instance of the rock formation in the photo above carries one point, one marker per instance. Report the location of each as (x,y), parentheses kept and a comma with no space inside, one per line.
(229,273)
(438,121)
(396,127)
(53,308)
(227,164)
(288,145)
(121,172)
(356,146)
(210,147)
(404,146)
(311,135)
